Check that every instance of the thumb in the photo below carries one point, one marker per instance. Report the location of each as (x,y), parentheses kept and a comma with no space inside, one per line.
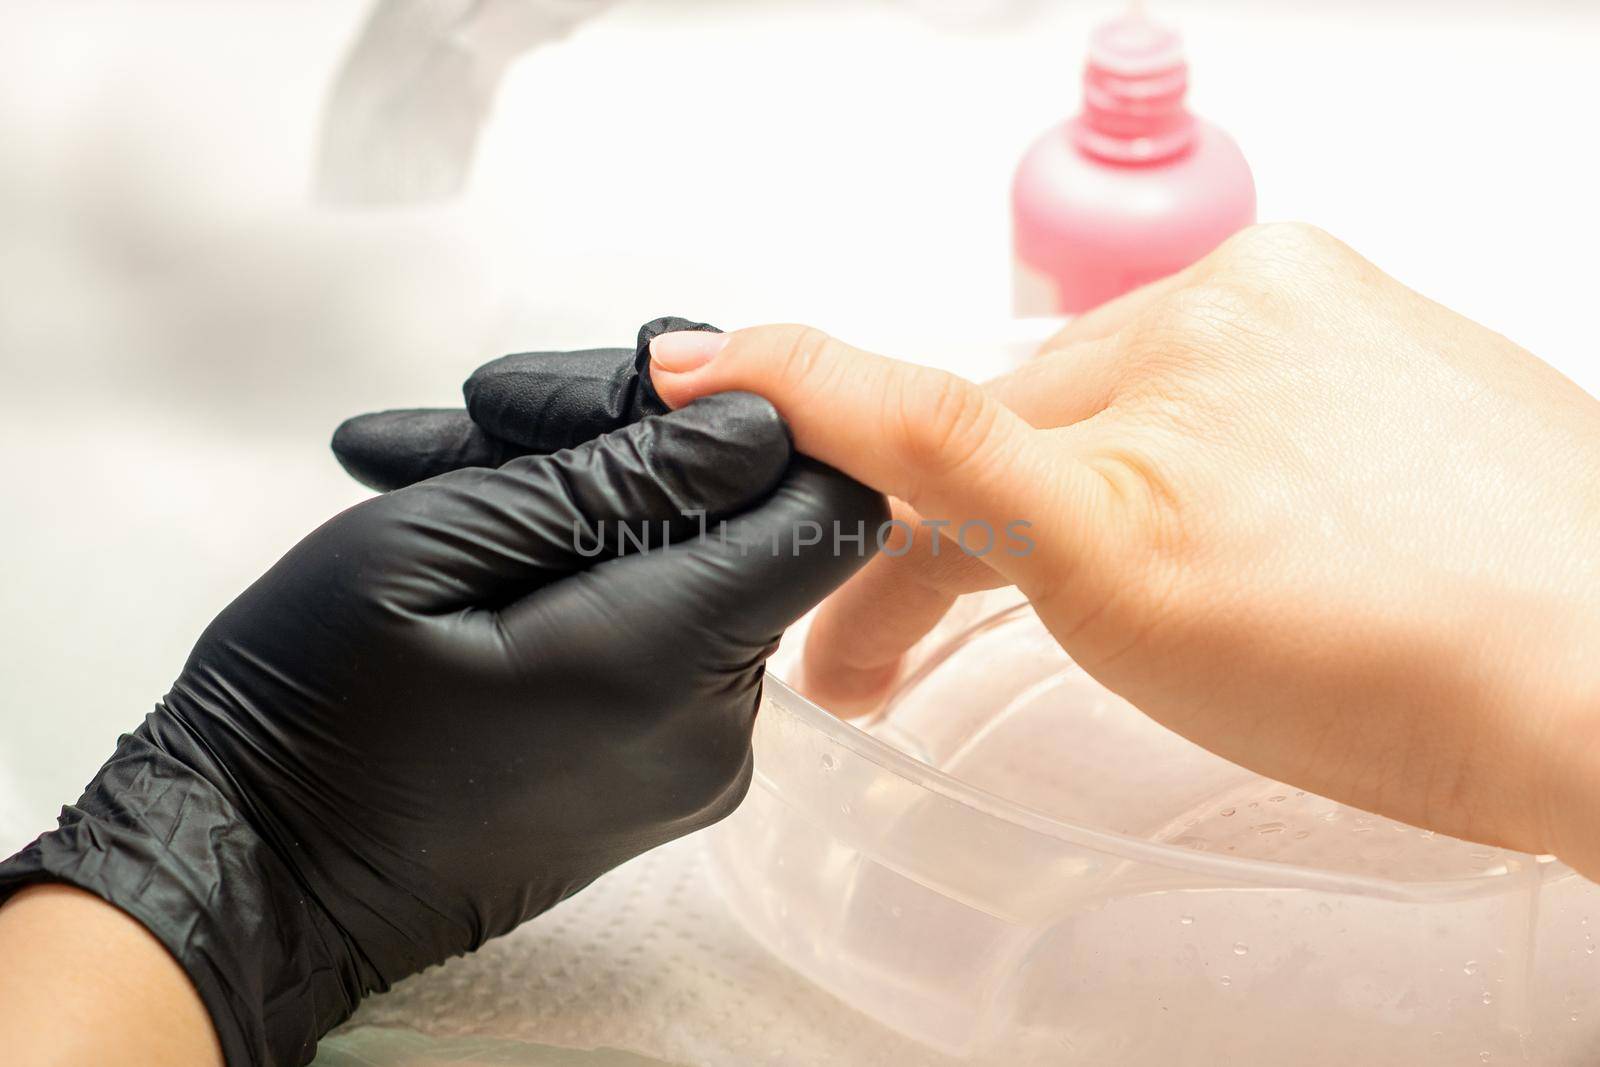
(936,441)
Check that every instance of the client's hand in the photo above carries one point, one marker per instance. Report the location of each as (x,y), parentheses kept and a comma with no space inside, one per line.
(1286,506)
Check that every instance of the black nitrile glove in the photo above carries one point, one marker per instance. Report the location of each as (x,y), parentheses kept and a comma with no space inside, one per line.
(454,705)
(525,404)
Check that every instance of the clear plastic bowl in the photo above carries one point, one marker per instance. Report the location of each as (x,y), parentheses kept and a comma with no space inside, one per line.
(1012,865)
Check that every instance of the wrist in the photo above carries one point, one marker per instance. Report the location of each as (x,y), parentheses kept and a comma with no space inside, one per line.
(163,844)
(83,982)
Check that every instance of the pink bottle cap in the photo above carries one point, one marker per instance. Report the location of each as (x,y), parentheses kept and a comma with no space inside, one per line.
(1134,82)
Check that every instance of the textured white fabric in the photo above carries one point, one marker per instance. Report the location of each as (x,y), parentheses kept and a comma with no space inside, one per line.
(646,960)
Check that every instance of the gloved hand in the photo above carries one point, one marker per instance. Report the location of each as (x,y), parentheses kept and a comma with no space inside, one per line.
(517,405)
(454,705)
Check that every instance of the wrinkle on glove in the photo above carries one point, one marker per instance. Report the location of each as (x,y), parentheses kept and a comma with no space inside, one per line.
(454,705)
(166,846)
(526,403)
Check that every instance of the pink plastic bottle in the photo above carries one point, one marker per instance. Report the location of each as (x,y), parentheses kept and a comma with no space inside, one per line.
(1134,188)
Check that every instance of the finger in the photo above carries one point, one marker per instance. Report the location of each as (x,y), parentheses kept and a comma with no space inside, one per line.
(547,401)
(761,571)
(856,646)
(706,611)
(936,441)
(858,640)
(732,590)
(532,402)
(480,537)
(389,449)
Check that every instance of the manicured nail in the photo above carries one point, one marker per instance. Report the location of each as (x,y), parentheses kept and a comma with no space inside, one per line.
(685,350)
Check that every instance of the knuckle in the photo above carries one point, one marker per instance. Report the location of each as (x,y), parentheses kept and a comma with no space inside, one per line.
(1194,326)
(943,421)
(1272,278)
(1231,309)
(806,355)
(791,365)
(1285,247)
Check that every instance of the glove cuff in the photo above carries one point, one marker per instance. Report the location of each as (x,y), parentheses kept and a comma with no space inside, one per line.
(160,842)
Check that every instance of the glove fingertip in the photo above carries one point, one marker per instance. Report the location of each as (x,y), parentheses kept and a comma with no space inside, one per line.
(387,450)
(547,401)
(362,445)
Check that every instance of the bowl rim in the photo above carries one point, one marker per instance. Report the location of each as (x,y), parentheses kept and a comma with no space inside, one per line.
(1519,870)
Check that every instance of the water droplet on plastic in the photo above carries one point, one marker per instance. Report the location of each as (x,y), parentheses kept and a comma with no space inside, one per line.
(1226,812)
(1186,920)
(828,761)
(845,808)
(1488,998)
(1574,1016)
(1225,980)
(1324,910)
(1471,967)
(1241,949)
(1279,799)
(1589,948)
(1270,827)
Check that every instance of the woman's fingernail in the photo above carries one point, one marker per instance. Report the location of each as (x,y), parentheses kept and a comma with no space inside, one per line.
(685,350)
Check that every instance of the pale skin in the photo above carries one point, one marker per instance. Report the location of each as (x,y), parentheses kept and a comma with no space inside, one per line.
(1289,508)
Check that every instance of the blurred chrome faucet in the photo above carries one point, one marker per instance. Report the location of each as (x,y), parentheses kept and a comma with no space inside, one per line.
(401,123)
